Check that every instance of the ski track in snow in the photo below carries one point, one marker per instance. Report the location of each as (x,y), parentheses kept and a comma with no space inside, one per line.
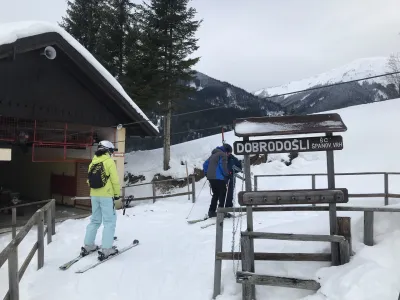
(175,260)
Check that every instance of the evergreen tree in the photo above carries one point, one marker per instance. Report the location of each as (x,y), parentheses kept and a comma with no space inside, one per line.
(84,22)
(167,40)
(118,27)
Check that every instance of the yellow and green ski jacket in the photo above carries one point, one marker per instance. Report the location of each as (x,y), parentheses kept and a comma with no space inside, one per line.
(112,187)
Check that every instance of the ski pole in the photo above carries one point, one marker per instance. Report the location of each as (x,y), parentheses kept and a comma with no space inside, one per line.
(196,198)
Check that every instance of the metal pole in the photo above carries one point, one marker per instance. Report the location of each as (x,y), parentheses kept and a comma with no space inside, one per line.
(332,206)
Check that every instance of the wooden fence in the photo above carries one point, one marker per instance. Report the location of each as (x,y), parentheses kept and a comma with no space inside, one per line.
(252,278)
(10,252)
(190,179)
(386,195)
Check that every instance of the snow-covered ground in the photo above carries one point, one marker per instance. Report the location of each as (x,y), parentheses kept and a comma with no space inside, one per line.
(176,261)
(360,68)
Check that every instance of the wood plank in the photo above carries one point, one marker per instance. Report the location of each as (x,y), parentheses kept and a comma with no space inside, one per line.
(294,237)
(246,257)
(49,227)
(369,228)
(283,197)
(156,181)
(40,238)
(25,204)
(344,250)
(369,195)
(325,174)
(193,188)
(53,219)
(309,208)
(386,188)
(13,280)
(17,240)
(277,281)
(160,196)
(14,222)
(153,186)
(28,260)
(218,248)
(344,229)
(394,195)
(277,256)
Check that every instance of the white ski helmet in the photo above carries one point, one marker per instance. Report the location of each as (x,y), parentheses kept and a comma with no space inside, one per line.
(106,145)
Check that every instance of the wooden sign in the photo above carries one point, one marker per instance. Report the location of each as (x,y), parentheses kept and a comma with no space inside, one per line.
(310,144)
(292,197)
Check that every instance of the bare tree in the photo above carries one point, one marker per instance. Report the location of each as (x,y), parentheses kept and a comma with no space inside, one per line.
(394,66)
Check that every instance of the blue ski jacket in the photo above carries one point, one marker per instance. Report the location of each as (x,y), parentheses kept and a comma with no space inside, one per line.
(233,161)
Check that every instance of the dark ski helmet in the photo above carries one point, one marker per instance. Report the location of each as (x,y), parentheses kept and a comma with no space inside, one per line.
(228,148)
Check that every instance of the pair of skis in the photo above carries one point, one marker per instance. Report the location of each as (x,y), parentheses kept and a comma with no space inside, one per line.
(206,217)
(67,265)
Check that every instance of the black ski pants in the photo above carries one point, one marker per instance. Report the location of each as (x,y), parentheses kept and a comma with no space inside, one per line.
(218,189)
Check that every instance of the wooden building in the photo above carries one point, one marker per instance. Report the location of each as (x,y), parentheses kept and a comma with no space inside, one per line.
(56,103)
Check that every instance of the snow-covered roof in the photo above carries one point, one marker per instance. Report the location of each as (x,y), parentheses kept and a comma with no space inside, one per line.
(11,32)
(289,125)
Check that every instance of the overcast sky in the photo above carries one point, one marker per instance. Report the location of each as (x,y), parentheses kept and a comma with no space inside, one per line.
(260,43)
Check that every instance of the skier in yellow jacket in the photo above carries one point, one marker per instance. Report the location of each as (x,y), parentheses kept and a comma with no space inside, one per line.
(104,189)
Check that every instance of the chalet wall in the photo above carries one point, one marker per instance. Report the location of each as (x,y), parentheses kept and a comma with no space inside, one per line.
(31,179)
(53,90)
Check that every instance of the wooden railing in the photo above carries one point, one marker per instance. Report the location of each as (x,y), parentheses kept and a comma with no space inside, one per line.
(386,195)
(189,193)
(10,252)
(129,198)
(262,256)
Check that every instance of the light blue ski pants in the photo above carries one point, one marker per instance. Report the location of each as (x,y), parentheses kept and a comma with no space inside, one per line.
(102,210)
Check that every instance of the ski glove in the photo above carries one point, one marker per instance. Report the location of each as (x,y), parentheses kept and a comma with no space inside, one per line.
(116,197)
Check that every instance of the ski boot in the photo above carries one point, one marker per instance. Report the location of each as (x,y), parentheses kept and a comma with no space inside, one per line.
(212,214)
(105,253)
(228,215)
(86,250)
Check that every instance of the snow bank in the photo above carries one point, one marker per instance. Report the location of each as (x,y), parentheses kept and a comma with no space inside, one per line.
(248,127)
(10,32)
(372,273)
(368,145)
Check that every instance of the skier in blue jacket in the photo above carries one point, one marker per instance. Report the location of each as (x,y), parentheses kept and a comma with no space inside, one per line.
(216,170)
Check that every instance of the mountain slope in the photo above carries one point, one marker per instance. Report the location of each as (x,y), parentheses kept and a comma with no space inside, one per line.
(361,92)
(232,102)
